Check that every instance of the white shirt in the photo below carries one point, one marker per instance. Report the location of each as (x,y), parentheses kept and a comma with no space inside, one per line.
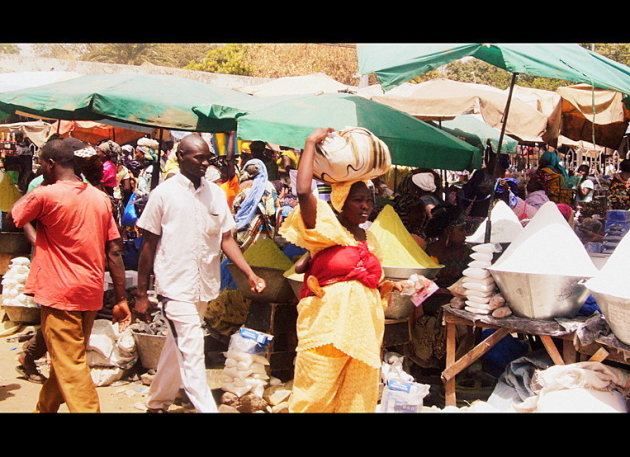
(190,223)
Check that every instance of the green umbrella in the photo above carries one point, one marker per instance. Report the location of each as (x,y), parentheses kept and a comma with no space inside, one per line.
(395,64)
(411,142)
(478,133)
(161,101)
(239,107)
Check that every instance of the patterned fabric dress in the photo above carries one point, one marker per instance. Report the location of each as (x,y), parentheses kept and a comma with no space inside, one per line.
(340,332)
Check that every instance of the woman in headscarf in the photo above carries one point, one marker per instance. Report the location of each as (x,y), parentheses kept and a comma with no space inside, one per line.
(110,152)
(255,205)
(424,184)
(554,178)
(447,245)
(341,320)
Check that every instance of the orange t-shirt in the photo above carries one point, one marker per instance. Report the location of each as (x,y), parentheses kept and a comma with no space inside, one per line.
(231,189)
(74,224)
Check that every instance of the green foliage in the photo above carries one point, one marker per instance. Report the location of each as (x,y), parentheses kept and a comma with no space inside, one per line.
(122,53)
(227,59)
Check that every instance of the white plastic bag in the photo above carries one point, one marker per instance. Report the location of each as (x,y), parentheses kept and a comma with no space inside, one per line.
(403,397)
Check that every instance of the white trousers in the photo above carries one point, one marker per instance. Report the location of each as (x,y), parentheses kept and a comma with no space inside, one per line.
(182,361)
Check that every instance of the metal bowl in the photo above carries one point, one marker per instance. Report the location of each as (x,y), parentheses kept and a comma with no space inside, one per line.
(296,286)
(541,296)
(277,287)
(149,349)
(616,310)
(23,314)
(150,346)
(399,307)
(405,273)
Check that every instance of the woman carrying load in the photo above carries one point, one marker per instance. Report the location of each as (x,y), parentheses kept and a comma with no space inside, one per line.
(341,320)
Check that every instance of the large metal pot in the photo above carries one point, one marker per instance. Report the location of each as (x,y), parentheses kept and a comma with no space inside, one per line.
(23,314)
(277,287)
(149,349)
(616,310)
(399,307)
(541,296)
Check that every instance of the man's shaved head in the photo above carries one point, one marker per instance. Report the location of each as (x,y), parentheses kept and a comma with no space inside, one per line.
(193,155)
(192,143)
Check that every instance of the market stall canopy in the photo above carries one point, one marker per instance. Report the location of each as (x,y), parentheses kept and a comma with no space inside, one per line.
(589,111)
(93,132)
(233,110)
(472,129)
(445,99)
(411,141)
(162,101)
(316,83)
(582,148)
(547,102)
(36,131)
(395,64)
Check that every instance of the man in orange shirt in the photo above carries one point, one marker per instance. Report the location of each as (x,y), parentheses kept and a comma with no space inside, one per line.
(76,239)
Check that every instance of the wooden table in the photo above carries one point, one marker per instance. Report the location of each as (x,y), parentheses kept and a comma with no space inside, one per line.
(545,330)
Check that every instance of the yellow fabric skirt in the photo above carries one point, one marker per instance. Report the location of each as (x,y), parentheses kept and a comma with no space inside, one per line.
(327,380)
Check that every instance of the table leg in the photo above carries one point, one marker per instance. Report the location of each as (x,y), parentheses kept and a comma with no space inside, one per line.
(569,354)
(552,350)
(449,385)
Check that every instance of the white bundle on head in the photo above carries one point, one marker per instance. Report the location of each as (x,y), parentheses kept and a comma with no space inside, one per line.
(351,155)
(354,154)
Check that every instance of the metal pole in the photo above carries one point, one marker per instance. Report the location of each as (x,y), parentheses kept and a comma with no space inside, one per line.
(494,172)
(155,176)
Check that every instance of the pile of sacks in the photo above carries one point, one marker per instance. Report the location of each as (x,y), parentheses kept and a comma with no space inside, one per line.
(245,372)
(13,284)
(110,353)
(480,295)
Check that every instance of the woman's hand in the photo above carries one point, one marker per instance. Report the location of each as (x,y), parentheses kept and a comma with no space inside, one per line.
(318,135)
(388,286)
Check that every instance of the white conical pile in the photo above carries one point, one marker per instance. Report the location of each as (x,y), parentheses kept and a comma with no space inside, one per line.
(547,245)
(505,226)
(614,277)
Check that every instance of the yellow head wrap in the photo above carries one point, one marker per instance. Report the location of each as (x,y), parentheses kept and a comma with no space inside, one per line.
(340,191)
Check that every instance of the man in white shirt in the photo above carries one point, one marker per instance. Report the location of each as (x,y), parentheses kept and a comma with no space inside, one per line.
(186,224)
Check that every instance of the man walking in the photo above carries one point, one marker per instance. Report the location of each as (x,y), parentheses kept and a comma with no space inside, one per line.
(186,223)
(76,239)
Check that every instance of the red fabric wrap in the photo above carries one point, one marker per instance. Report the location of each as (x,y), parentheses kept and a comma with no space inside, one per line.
(343,263)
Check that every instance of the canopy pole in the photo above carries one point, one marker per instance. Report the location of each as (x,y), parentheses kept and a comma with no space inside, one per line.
(155,176)
(494,171)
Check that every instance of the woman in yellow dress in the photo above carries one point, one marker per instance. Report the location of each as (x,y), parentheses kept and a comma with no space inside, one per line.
(341,319)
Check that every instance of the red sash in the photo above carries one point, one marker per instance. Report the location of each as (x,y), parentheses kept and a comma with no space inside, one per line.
(343,263)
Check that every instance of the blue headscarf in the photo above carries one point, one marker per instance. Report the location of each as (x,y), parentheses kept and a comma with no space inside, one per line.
(248,208)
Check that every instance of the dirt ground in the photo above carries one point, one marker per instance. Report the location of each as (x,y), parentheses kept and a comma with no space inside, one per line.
(18,395)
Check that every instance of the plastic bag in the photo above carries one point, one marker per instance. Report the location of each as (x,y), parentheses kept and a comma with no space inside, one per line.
(403,396)
(129,215)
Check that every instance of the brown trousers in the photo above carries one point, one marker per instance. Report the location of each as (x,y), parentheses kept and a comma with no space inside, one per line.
(67,334)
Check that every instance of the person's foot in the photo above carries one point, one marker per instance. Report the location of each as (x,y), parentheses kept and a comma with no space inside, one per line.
(156,411)
(28,369)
